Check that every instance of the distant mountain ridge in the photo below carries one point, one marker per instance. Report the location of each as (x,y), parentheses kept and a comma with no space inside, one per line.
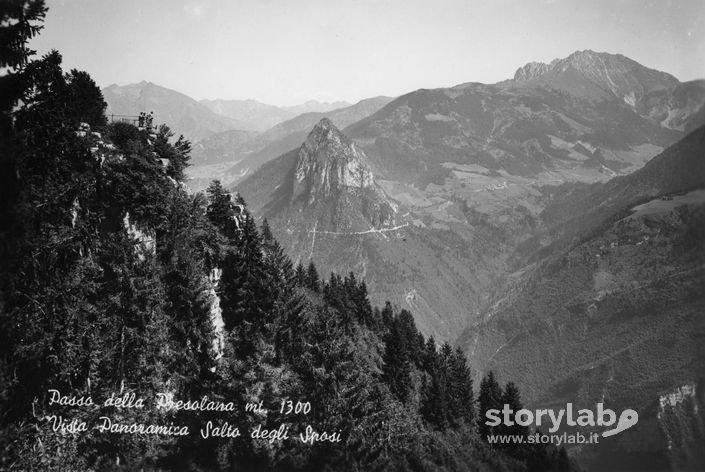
(624,77)
(599,76)
(183,114)
(261,116)
(291,133)
(228,157)
(199,120)
(585,117)
(314,106)
(258,115)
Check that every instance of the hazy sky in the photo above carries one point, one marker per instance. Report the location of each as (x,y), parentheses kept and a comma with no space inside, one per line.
(287,51)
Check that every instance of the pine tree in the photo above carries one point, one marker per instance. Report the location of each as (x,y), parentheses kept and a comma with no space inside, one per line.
(429,355)
(512,398)
(289,329)
(312,278)
(94,319)
(397,364)
(460,392)
(220,210)
(562,462)
(20,21)
(446,354)
(434,401)
(87,103)
(363,308)
(300,275)
(410,334)
(279,269)
(186,244)
(387,314)
(490,397)
(247,299)
(266,231)
(177,154)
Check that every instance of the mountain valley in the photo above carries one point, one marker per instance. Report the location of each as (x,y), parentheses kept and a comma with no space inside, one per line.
(550,225)
(473,169)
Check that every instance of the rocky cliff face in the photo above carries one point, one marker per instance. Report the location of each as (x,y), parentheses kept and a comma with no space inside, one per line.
(531,70)
(682,420)
(326,183)
(329,162)
(681,108)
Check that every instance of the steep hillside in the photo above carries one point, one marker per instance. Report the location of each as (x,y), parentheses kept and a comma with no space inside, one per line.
(584,118)
(614,314)
(514,132)
(574,211)
(219,147)
(679,108)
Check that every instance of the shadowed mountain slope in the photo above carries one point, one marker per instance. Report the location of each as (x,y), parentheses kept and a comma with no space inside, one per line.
(614,313)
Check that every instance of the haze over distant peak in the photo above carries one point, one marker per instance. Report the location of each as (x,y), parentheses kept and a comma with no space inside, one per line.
(183,114)
(261,116)
(316,106)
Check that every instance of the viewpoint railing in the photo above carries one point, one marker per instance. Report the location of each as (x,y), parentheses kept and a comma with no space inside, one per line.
(130,119)
(144,121)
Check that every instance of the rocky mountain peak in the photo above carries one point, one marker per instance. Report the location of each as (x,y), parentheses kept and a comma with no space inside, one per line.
(624,77)
(324,133)
(328,161)
(610,67)
(614,73)
(531,70)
